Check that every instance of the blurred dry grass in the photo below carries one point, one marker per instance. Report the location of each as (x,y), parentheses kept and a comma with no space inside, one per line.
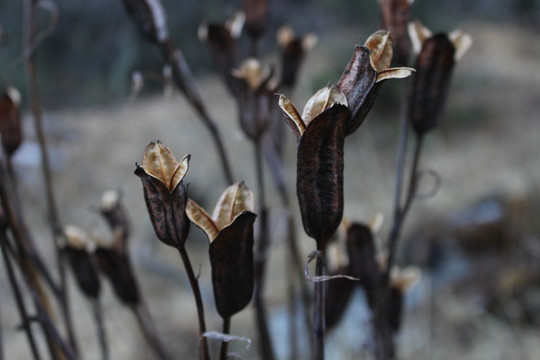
(488,144)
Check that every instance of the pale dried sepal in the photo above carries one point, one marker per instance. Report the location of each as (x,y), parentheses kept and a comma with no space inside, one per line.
(179,172)
(462,42)
(77,238)
(235,199)
(405,279)
(109,200)
(381,45)
(199,217)
(236,24)
(252,72)
(309,41)
(287,106)
(418,34)
(14,95)
(285,35)
(322,100)
(376,223)
(395,73)
(159,162)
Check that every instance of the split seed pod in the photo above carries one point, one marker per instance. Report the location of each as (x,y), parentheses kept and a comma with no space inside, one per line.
(363,76)
(10,122)
(164,192)
(435,62)
(230,232)
(149,17)
(79,251)
(293,49)
(396,15)
(319,178)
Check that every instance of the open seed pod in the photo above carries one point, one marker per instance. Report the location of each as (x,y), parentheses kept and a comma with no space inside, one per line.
(363,76)
(293,48)
(10,122)
(79,251)
(230,232)
(149,16)
(164,192)
(435,63)
(319,177)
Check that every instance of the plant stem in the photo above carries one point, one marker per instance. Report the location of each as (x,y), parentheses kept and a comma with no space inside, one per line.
(319,315)
(148,327)
(225,344)
(265,349)
(193,282)
(25,319)
(101,334)
(31,23)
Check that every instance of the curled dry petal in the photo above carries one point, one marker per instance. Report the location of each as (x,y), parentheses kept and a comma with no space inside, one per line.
(322,100)
(159,162)
(293,117)
(462,42)
(231,256)
(381,45)
(418,34)
(395,73)
(199,217)
(234,200)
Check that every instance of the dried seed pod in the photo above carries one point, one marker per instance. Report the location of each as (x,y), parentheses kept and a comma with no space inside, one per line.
(363,76)
(293,49)
(118,270)
(10,122)
(115,214)
(164,192)
(362,255)
(149,16)
(256,17)
(338,295)
(396,15)
(222,39)
(319,178)
(79,252)
(435,63)
(230,233)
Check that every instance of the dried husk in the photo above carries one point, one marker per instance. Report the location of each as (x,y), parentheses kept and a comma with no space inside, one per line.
(338,295)
(117,269)
(231,257)
(362,256)
(293,50)
(149,16)
(84,270)
(358,83)
(10,122)
(433,72)
(319,181)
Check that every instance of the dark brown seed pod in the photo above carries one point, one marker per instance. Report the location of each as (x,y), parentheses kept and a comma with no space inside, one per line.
(434,67)
(164,192)
(79,252)
(231,256)
(10,122)
(396,15)
(115,215)
(293,49)
(117,269)
(319,178)
(256,12)
(362,255)
(149,17)
(338,295)
(358,83)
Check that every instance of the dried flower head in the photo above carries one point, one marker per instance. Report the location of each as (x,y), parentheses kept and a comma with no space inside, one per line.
(230,232)
(164,192)
(293,49)
(435,62)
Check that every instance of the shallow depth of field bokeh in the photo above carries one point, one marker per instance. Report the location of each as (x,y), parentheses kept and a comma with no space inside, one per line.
(477,239)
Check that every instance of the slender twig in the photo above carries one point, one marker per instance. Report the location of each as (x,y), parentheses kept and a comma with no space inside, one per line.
(225,344)
(30,43)
(100,325)
(25,319)
(319,315)
(194,283)
(266,348)
(148,327)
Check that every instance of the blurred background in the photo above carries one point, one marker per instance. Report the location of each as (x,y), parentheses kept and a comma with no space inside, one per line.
(477,240)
